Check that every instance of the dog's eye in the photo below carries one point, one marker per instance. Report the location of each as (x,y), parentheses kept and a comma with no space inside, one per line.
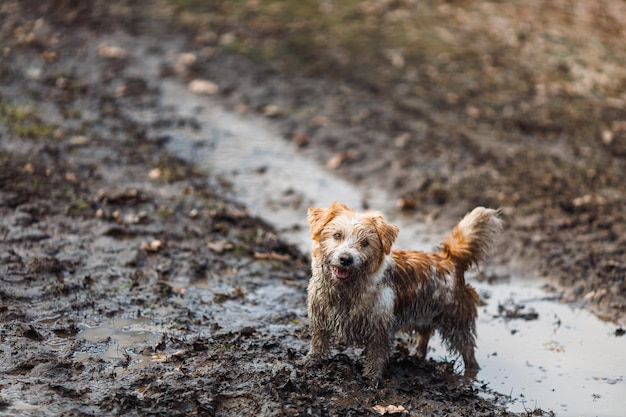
(337,236)
(365,243)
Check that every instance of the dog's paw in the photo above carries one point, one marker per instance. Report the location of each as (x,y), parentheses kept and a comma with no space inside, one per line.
(374,374)
(374,382)
(311,360)
(472,371)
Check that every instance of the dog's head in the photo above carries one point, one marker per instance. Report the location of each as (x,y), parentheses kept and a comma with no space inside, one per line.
(350,243)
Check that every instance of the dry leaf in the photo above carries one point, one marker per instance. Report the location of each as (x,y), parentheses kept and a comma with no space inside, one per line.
(335,161)
(406,203)
(220,246)
(389,409)
(203,87)
(271,110)
(300,139)
(187,58)
(111,51)
(271,256)
(554,347)
(154,174)
(79,140)
(153,246)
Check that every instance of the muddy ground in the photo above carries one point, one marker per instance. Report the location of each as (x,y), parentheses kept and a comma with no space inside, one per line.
(100,225)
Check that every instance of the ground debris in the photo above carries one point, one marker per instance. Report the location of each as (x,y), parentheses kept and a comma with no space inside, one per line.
(516,312)
(390,409)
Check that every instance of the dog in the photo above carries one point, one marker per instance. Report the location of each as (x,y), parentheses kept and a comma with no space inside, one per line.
(362,292)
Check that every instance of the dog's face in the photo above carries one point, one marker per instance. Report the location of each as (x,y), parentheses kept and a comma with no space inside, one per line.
(347,243)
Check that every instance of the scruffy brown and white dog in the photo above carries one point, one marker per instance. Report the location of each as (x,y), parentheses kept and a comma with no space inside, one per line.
(362,292)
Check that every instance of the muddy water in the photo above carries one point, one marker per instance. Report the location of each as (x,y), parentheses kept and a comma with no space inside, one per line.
(553,356)
(120,340)
(566,360)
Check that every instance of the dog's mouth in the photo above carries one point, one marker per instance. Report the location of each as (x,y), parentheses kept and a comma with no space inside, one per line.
(341,273)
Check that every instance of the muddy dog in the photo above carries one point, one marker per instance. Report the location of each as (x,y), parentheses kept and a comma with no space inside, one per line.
(362,292)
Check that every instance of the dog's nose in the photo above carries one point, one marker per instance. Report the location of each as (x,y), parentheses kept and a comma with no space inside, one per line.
(346,260)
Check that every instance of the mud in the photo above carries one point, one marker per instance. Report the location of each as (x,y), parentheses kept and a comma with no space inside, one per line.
(132,281)
(531,346)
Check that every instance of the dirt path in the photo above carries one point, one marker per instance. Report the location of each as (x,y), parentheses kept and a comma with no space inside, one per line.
(132,285)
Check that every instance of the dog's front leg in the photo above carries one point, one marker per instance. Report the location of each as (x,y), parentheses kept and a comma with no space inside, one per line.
(320,344)
(376,355)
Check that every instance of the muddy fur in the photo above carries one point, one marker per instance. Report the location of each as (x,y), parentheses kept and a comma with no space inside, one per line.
(362,292)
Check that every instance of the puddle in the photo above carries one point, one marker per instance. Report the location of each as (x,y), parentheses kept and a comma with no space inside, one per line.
(564,360)
(121,340)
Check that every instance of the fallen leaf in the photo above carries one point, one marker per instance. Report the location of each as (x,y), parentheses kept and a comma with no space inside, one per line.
(336,160)
(79,140)
(134,218)
(402,140)
(220,246)
(203,87)
(111,51)
(187,58)
(406,203)
(389,409)
(554,347)
(154,174)
(70,177)
(270,256)
(472,111)
(153,246)
(271,110)
(300,139)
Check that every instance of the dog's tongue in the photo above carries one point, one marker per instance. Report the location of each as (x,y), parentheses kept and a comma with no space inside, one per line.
(340,272)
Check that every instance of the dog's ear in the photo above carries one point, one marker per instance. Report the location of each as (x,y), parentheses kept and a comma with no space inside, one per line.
(319,217)
(387,232)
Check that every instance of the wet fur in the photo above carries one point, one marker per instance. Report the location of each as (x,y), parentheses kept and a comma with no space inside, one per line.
(362,292)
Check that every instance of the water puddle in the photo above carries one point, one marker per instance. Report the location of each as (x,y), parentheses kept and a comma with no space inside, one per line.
(554,356)
(126,341)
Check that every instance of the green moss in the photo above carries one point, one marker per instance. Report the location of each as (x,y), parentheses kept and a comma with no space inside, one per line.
(22,120)
(78,207)
(164,212)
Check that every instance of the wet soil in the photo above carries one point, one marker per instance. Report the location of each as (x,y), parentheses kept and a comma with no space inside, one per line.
(133,284)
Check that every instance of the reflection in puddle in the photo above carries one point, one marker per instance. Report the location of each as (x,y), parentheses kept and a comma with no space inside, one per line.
(127,341)
(565,360)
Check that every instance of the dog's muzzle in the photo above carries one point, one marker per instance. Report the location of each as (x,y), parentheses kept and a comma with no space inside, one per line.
(342,271)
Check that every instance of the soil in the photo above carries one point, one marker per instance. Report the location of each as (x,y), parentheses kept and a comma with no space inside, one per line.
(100,225)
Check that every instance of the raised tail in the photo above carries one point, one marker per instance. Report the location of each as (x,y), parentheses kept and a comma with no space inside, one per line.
(471,238)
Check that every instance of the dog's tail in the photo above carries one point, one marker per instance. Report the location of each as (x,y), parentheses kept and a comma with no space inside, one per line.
(471,238)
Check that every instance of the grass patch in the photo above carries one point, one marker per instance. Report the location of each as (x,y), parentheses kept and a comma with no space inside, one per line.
(23,121)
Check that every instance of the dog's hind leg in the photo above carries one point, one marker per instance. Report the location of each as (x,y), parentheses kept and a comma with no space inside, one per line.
(458,328)
(423,336)
(471,364)
(459,337)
